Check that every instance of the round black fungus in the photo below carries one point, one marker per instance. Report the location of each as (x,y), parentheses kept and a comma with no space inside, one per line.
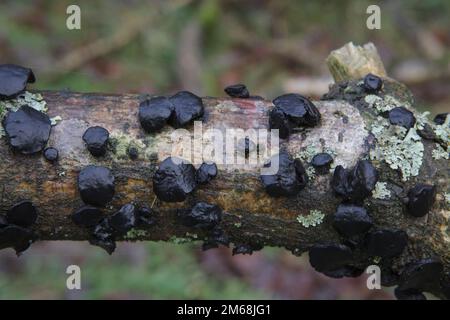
(321,162)
(278,120)
(386,243)
(14,79)
(409,294)
(401,116)
(96,185)
(245,248)
(27,129)
(16,237)
(329,257)
(440,118)
(23,214)
(87,216)
(357,183)
(206,172)
(51,154)
(187,107)
(422,275)
(145,217)
(237,91)
(300,111)
(154,113)
(290,178)
(351,220)
(133,153)
(420,199)
(372,83)
(203,216)
(103,237)
(123,220)
(96,139)
(174,180)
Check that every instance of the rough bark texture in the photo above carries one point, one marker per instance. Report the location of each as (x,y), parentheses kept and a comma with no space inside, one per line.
(250,215)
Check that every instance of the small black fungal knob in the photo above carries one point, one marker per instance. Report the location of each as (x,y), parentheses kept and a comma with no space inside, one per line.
(401,116)
(327,258)
(203,216)
(133,153)
(23,214)
(386,243)
(87,216)
(154,113)
(103,236)
(278,120)
(322,162)
(145,217)
(174,180)
(216,237)
(288,180)
(96,185)
(14,79)
(96,139)
(16,237)
(237,91)
(439,119)
(206,172)
(245,248)
(186,108)
(351,220)
(409,294)
(420,199)
(51,154)
(124,220)
(422,275)
(27,129)
(372,83)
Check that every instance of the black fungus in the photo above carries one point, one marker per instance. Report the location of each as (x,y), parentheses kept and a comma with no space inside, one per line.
(329,258)
(203,216)
(96,185)
(154,113)
(215,238)
(386,243)
(14,79)
(244,248)
(103,236)
(145,217)
(16,237)
(409,294)
(51,154)
(351,220)
(289,179)
(206,172)
(357,183)
(187,107)
(299,110)
(440,118)
(27,129)
(133,153)
(427,132)
(347,271)
(23,214)
(174,180)
(96,139)
(322,162)
(401,116)
(420,199)
(237,91)
(372,83)
(278,120)
(3,221)
(124,220)
(422,275)
(87,216)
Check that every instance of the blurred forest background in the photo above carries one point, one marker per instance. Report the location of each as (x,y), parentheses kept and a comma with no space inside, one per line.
(273,46)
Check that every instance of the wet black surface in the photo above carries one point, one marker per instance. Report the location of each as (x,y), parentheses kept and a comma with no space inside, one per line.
(96,185)
(96,139)
(351,220)
(420,199)
(14,79)
(386,243)
(237,91)
(87,216)
(23,214)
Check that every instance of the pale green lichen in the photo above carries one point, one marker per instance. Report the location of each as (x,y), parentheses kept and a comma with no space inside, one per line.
(421,120)
(237,224)
(306,154)
(54,120)
(314,218)
(311,173)
(443,131)
(178,240)
(122,142)
(381,192)
(383,104)
(134,234)
(439,153)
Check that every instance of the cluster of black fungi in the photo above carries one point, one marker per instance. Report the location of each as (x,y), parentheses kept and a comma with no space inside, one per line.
(28,130)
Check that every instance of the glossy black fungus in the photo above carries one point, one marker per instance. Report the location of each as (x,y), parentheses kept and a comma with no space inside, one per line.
(401,116)
(154,113)
(216,237)
(409,294)
(103,236)
(388,277)
(27,129)
(237,91)
(420,199)
(16,237)
(278,120)
(14,79)
(187,107)
(245,248)
(145,217)
(372,83)
(96,139)
(347,272)
(124,220)
(357,183)
(322,162)
(386,243)
(422,275)
(133,153)
(203,216)
(440,118)
(206,172)
(3,221)
(87,216)
(51,154)
(174,180)
(290,178)
(23,214)
(351,220)
(96,185)
(329,258)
